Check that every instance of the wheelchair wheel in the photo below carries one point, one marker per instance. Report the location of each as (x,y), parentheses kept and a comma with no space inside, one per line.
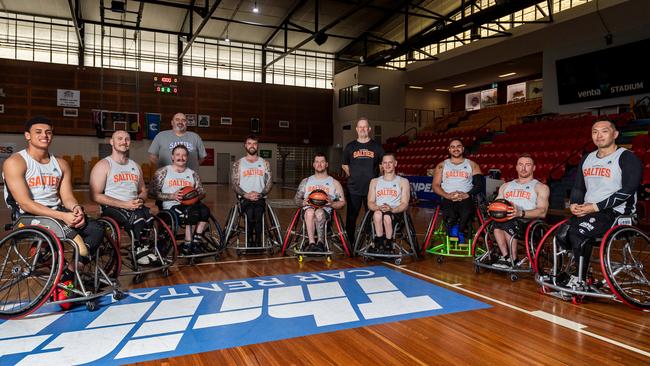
(543,261)
(411,236)
(364,234)
(31,263)
(214,235)
(534,233)
(290,242)
(436,231)
(108,254)
(274,229)
(231,224)
(625,262)
(165,242)
(484,244)
(337,225)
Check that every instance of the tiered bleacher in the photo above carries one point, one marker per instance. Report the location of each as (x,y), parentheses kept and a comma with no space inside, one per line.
(510,114)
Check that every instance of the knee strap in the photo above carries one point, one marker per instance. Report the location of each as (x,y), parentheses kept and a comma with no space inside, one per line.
(562,236)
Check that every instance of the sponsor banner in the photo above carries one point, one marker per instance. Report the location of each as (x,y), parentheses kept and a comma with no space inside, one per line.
(608,73)
(153,124)
(421,186)
(68,98)
(473,101)
(169,321)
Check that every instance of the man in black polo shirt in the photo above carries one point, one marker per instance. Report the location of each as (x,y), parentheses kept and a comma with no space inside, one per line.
(361,160)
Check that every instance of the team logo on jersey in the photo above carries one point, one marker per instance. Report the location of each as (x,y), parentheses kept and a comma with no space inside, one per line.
(517,193)
(178,183)
(253,172)
(457,174)
(125,177)
(188,145)
(43,181)
(169,321)
(363,153)
(597,172)
(387,192)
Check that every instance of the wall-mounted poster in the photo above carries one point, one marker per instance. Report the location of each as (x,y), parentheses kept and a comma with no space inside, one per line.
(488,97)
(204,120)
(516,92)
(191,119)
(473,101)
(68,98)
(534,89)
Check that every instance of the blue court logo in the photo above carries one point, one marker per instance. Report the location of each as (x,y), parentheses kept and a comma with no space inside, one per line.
(162,322)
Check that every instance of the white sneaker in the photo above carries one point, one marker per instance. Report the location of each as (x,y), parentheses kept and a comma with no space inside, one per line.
(502,262)
(143,259)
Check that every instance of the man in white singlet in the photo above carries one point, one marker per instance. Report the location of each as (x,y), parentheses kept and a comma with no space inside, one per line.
(456,180)
(605,187)
(315,218)
(251,180)
(37,183)
(166,185)
(530,198)
(116,184)
(388,195)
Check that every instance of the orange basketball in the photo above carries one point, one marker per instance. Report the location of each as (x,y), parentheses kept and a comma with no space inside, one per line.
(189,196)
(501,210)
(317,198)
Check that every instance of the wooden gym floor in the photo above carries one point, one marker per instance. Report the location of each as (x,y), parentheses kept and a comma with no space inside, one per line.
(522,327)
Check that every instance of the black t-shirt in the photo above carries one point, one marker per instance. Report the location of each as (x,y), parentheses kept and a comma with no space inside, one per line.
(363,160)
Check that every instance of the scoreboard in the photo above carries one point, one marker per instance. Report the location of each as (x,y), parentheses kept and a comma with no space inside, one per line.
(165,84)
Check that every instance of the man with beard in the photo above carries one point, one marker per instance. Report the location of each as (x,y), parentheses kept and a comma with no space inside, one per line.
(605,187)
(166,186)
(455,180)
(315,218)
(530,198)
(361,160)
(116,184)
(251,180)
(160,151)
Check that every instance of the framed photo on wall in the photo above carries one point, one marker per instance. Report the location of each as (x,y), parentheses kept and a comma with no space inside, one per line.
(226,120)
(204,120)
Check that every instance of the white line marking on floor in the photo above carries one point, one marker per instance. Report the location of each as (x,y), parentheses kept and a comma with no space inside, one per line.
(580,328)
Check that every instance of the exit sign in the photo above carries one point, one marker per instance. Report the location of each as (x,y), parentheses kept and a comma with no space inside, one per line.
(165,84)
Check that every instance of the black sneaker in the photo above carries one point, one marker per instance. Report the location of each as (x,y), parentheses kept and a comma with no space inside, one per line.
(311,247)
(185,249)
(320,247)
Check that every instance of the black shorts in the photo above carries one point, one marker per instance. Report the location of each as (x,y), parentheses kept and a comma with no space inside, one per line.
(514,227)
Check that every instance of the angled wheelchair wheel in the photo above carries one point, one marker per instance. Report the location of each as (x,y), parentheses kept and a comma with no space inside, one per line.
(436,231)
(293,231)
(108,254)
(231,224)
(546,256)
(411,236)
(214,235)
(625,263)
(341,233)
(274,228)
(31,262)
(535,231)
(484,244)
(364,234)
(165,242)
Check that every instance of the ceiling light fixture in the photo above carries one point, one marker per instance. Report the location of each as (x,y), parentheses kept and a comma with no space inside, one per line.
(415,87)
(373,87)
(255,8)
(227,38)
(508,74)
(459,86)
(442,90)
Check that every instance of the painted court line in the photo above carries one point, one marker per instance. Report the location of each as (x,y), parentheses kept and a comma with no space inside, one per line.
(580,328)
(237,261)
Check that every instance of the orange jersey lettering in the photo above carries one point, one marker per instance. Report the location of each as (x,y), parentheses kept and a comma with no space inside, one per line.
(387,192)
(597,172)
(126,177)
(45,180)
(456,174)
(363,154)
(517,193)
(179,183)
(253,172)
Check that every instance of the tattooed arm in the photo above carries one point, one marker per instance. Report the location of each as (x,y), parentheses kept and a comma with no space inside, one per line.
(299,199)
(198,185)
(234,179)
(155,190)
(269,180)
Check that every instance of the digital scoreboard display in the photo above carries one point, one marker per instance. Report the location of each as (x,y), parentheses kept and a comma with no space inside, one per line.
(165,84)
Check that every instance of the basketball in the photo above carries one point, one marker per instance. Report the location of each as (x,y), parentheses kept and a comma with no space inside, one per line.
(317,198)
(500,210)
(190,196)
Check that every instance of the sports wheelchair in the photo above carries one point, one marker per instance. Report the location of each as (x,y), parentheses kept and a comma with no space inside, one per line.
(485,250)
(624,264)
(404,237)
(336,238)
(158,237)
(438,241)
(237,226)
(211,244)
(33,256)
